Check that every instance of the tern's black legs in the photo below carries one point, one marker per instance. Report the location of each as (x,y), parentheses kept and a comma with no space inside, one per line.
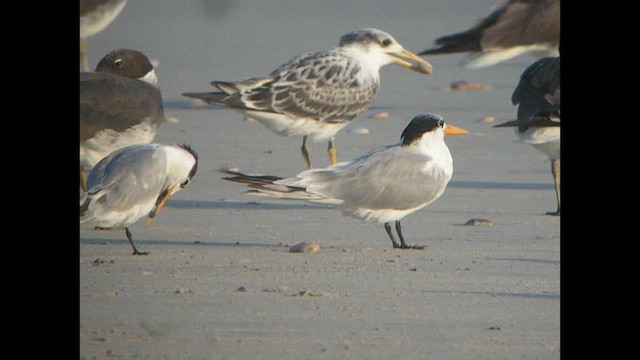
(135,250)
(403,244)
(393,240)
(555,170)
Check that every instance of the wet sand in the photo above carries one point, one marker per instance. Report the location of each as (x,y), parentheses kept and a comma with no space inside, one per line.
(220,282)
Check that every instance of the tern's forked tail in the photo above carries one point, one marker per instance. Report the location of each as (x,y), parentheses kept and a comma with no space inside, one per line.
(263,185)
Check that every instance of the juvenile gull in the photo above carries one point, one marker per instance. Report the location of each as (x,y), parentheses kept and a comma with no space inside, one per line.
(120,105)
(316,94)
(134,182)
(382,186)
(512,28)
(538,124)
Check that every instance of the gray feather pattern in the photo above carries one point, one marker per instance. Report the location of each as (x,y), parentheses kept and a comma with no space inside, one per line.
(318,85)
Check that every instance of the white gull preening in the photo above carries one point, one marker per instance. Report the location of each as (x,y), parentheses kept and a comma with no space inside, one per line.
(316,94)
(134,182)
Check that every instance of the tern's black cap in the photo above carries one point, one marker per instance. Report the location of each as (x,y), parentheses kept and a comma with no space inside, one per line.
(421,124)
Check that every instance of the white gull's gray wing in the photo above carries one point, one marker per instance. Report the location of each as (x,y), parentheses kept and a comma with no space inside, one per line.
(126,178)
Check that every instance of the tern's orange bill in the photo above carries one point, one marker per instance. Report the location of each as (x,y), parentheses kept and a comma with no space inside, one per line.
(454,130)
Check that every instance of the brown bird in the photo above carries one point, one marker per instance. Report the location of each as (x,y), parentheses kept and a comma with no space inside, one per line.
(538,124)
(512,28)
(120,105)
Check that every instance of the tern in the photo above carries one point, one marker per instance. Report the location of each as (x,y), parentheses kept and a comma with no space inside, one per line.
(382,186)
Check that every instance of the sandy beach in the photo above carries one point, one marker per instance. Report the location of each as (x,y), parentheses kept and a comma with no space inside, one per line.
(220,282)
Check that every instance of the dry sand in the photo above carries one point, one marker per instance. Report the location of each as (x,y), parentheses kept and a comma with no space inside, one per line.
(220,282)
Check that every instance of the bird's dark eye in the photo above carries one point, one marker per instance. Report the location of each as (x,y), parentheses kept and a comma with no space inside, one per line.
(185,183)
(118,62)
(441,123)
(386,42)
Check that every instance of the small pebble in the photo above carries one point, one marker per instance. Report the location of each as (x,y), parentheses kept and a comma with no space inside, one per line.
(183,290)
(229,168)
(478,222)
(488,119)
(281,290)
(358,131)
(310,293)
(305,247)
(467,86)
(249,119)
(173,120)
(380,116)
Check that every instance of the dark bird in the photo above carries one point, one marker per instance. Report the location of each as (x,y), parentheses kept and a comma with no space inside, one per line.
(120,105)
(538,124)
(512,28)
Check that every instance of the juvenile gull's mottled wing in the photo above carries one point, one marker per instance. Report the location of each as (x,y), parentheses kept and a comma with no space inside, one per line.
(315,85)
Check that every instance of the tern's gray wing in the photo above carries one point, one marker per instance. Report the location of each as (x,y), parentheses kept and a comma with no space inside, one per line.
(128,177)
(114,102)
(318,85)
(388,179)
